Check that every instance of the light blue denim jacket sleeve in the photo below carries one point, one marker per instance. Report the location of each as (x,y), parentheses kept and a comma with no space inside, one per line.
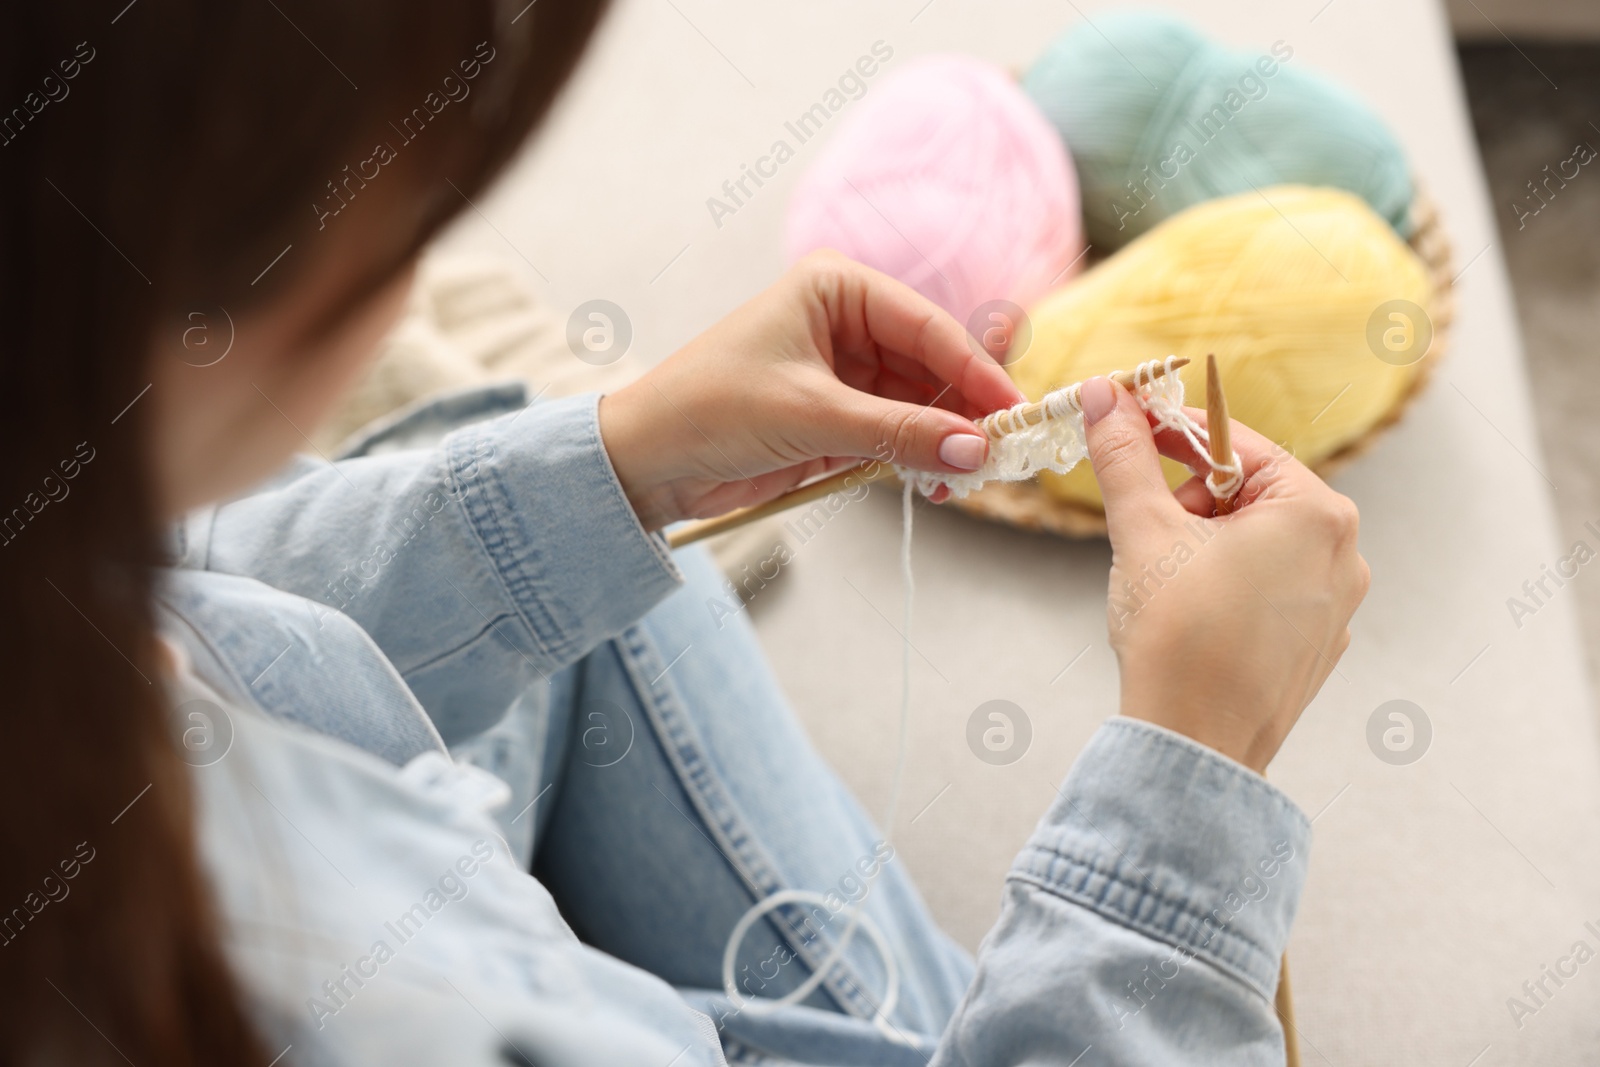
(465,563)
(1146,917)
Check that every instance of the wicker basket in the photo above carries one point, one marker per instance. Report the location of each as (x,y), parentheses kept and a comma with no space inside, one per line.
(1032,507)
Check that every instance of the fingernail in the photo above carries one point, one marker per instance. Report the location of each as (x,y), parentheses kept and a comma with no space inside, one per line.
(1097,398)
(963,450)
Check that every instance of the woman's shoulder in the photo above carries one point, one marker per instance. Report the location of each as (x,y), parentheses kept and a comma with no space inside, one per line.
(295,659)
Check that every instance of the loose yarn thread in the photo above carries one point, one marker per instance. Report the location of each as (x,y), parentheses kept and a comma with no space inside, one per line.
(858,916)
(1020,449)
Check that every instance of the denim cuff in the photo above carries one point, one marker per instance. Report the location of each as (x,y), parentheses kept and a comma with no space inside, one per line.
(542,497)
(1175,841)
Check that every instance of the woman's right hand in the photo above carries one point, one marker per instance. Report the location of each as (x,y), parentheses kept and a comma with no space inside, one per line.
(1224,627)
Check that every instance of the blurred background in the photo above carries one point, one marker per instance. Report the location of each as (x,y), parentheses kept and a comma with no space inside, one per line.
(1532,73)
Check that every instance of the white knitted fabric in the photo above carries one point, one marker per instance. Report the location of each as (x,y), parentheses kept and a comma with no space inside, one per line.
(1018,451)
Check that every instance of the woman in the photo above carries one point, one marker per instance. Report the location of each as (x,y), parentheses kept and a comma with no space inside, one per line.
(233,831)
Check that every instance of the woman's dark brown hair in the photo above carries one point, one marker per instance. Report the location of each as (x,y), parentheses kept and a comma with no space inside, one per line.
(156,158)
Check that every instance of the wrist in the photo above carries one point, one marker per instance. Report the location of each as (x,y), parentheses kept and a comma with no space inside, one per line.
(634,453)
(1221,729)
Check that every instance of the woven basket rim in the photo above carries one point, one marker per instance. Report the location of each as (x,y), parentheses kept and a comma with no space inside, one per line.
(1032,507)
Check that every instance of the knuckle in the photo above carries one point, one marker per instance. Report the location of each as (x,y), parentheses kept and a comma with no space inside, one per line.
(1117,446)
(821,261)
(1349,517)
(896,428)
(1340,517)
(930,319)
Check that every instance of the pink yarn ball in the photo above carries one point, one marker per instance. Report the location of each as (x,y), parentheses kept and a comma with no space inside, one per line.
(948,177)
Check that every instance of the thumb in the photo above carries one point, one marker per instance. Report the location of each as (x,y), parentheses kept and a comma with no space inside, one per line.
(911,435)
(1123,452)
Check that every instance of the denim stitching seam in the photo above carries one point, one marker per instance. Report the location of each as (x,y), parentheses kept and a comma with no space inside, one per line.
(1235,951)
(758,872)
(485,523)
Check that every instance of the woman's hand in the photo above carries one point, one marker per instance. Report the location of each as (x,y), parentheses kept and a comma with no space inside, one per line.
(1224,628)
(833,364)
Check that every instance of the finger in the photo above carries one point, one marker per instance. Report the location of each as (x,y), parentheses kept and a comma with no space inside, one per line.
(1123,451)
(870,311)
(925,389)
(1258,455)
(862,369)
(839,463)
(894,387)
(918,436)
(739,492)
(895,363)
(1195,497)
(917,385)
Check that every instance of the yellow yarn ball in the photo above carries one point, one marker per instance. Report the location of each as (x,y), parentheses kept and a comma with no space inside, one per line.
(1287,286)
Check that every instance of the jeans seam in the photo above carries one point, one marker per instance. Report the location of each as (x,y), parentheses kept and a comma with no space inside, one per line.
(685,754)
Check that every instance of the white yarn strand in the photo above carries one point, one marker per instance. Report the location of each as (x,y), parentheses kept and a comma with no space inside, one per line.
(1163,398)
(858,916)
(1017,452)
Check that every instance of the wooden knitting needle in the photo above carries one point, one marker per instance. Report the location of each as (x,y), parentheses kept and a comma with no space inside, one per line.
(871,471)
(1222,453)
(874,470)
(1033,414)
(1217,427)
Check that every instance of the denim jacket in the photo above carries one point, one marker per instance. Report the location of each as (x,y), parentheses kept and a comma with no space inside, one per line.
(344,627)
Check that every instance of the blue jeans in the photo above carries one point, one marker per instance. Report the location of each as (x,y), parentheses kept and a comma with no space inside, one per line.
(662,785)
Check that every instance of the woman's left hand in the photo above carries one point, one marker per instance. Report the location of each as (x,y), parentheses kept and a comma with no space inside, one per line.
(834,364)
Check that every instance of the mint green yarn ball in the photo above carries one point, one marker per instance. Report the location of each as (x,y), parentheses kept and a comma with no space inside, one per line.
(1158,118)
